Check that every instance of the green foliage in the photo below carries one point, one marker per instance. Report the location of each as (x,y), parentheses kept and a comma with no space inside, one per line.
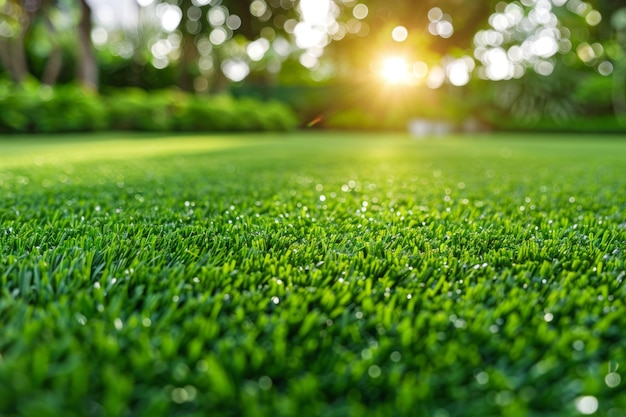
(312,275)
(32,107)
(594,93)
(365,119)
(136,109)
(224,113)
(591,124)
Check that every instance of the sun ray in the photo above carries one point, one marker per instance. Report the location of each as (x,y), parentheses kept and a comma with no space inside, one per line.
(396,70)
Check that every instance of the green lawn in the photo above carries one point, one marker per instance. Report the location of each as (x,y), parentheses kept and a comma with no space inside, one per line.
(313,274)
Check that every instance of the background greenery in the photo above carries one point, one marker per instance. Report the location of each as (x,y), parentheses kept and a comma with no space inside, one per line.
(32,108)
(577,82)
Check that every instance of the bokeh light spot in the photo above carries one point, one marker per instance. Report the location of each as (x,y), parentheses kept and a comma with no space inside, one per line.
(587,404)
(399,34)
(435,14)
(258,8)
(436,78)
(612,379)
(420,69)
(593,18)
(360,11)
(458,72)
(218,36)
(170,17)
(605,68)
(235,70)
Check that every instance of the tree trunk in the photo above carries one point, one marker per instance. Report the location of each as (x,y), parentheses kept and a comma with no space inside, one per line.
(53,66)
(619,92)
(18,56)
(5,55)
(188,61)
(55,59)
(13,49)
(87,64)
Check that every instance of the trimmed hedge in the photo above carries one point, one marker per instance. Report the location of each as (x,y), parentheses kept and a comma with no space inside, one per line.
(33,108)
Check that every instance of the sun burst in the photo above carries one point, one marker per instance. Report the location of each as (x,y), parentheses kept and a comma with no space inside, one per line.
(396,70)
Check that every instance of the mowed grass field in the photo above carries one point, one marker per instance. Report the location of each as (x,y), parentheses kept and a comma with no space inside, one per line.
(312,274)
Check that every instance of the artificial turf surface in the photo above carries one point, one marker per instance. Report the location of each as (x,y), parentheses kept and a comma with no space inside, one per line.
(314,274)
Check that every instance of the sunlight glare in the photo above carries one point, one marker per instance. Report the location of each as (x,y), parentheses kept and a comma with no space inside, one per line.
(170,17)
(315,12)
(312,30)
(395,70)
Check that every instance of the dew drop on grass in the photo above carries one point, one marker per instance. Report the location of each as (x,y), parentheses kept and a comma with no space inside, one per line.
(612,379)
(482,377)
(374,371)
(548,317)
(82,320)
(180,395)
(587,404)
(118,323)
(192,392)
(504,398)
(265,382)
(202,365)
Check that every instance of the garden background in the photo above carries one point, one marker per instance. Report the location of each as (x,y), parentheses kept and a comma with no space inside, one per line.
(203,64)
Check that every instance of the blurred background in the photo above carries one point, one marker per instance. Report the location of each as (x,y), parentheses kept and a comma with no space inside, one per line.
(432,66)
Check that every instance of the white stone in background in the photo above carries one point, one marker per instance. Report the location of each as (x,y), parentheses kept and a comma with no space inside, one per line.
(421,128)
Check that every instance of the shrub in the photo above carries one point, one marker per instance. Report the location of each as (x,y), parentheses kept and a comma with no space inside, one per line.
(69,108)
(31,107)
(225,113)
(594,94)
(136,109)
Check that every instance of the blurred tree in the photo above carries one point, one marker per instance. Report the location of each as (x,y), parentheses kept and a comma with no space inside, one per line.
(219,41)
(21,20)
(614,38)
(16,19)
(54,61)
(87,66)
